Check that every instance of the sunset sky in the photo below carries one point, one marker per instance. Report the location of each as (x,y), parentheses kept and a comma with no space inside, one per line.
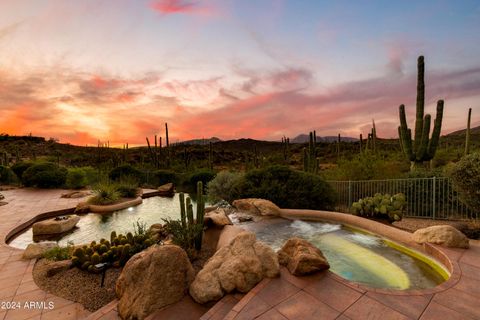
(82,71)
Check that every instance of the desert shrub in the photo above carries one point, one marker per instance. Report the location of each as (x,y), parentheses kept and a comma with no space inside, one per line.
(204,176)
(20,167)
(124,171)
(105,192)
(223,186)
(59,253)
(465,176)
(287,188)
(76,178)
(44,175)
(7,175)
(161,177)
(181,236)
(91,175)
(381,206)
(127,187)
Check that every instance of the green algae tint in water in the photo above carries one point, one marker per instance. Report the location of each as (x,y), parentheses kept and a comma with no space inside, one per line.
(357,257)
(96,226)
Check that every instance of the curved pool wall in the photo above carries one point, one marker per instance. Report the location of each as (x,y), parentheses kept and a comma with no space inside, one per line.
(402,238)
(93,226)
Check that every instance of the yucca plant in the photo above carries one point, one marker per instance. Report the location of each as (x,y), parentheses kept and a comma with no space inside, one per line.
(105,192)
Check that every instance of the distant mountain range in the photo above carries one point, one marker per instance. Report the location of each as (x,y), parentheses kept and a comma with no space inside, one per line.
(199,141)
(303,138)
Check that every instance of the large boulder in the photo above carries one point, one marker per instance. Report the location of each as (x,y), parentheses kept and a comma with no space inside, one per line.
(152,279)
(166,190)
(217,217)
(257,206)
(36,250)
(301,257)
(239,266)
(443,235)
(56,225)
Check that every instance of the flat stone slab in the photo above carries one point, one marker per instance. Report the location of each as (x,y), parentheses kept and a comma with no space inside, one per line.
(52,226)
(114,207)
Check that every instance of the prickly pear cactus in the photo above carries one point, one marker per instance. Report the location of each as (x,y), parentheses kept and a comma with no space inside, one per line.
(381,206)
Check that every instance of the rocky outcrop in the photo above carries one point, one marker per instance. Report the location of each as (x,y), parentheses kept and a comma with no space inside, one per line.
(443,235)
(257,206)
(157,232)
(152,279)
(166,190)
(239,266)
(301,257)
(56,225)
(217,217)
(36,250)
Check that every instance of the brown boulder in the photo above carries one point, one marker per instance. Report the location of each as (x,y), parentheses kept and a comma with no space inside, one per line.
(152,279)
(218,218)
(301,257)
(53,226)
(166,190)
(443,235)
(76,194)
(257,206)
(57,267)
(36,250)
(238,266)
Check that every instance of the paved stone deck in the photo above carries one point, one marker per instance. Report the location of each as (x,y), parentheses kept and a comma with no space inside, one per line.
(322,296)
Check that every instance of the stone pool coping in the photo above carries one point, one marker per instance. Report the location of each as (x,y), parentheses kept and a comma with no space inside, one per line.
(114,207)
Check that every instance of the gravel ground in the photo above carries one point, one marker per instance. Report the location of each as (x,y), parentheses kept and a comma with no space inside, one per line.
(470,228)
(77,285)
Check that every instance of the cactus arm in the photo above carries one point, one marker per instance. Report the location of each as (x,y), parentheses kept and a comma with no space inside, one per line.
(189,211)
(420,104)
(437,128)
(182,210)
(200,216)
(422,154)
(405,134)
(305,160)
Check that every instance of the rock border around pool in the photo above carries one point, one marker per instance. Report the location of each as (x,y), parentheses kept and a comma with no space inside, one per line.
(112,207)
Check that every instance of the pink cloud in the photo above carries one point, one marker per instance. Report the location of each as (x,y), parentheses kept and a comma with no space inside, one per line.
(180,7)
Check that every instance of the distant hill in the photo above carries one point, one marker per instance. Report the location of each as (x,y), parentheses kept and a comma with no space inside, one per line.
(462,132)
(199,141)
(303,138)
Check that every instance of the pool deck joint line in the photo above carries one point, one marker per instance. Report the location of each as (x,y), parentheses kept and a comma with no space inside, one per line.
(320,296)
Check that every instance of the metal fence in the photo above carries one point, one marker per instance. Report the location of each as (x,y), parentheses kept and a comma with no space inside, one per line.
(432,198)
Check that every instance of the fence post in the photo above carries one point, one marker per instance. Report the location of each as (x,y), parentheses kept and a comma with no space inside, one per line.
(434,196)
(349,194)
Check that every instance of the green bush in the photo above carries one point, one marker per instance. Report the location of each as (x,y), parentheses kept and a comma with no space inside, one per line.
(223,186)
(7,176)
(383,206)
(125,171)
(105,193)
(287,188)
(91,175)
(204,176)
(59,253)
(76,178)
(44,175)
(127,187)
(465,176)
(161,177)
(20,167)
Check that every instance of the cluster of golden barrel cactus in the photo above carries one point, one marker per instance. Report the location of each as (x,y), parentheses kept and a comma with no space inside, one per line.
(117,251)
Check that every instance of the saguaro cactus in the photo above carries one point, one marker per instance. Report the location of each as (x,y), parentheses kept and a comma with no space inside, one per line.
(310,161)
(467,134)
(422,148)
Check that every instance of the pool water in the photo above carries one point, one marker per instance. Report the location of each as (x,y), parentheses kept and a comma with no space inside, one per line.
(96,226)
(356,256)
